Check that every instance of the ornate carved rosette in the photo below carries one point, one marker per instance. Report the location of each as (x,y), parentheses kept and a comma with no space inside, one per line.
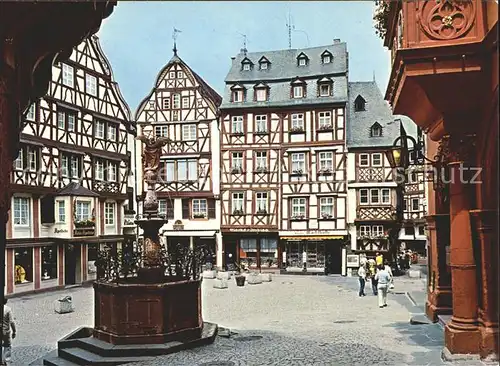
(446,19)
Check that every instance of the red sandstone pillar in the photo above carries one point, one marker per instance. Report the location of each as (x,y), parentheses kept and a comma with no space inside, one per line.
(462,333)
(439,299)
(485,223)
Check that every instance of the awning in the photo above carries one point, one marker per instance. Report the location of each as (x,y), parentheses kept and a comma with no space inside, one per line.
(202,233)
(333,237)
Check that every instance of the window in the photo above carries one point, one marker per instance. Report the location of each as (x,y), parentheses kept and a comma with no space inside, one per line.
(261,123)
(175,115)
(302,61)
(261,94)
(248,252)
(99,170)
(405,205)
(374,196)
(298,121)
(421,230)
(21,211)
(359,104)
(269,252)
(237,160)
(109,213)
(237,201)
(65,166)
(189,132)
(171,74)
(19,162)
(261,202)
(82,212)
(32,159)
(326,161)
(363,196)
(261,159)
(185,103)
(180,74)
(74,167)
(61,211)
(199,208)
(24,265)
(327,59)
(166,103)
(376,160)
(61,120)
(365,230)
(112,172)
(91,84)
(237,124)
(324,90)
(415,204)
(49,262)
(298,207)
(166,208)
(31,112)
(99,129)
(168,171)
(187,170)
(326,205)
(412,178)
(111,132)
(238,96)
(298,91)
(246,67)
(377,230)
(386,196)
(70,119)
(410,230)
(376,130)
(176,101)
(263,65)
(161,131)
(67,75)
(298,162)
(363,160)
(325,120)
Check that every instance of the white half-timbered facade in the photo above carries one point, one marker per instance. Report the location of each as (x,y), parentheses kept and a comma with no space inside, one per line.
(283,158)
(184,108)
(71,182)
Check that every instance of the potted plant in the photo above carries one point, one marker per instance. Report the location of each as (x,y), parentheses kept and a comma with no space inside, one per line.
(298,172)
(326,128)
(199,215)
(237,170)
(240,279)
(261,169)
(261,211)
(296,129)
(238,212)
(326,216)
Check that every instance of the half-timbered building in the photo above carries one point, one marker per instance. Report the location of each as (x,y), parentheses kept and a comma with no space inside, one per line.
(283,178)
(184,108)
(71,184)
(375,189)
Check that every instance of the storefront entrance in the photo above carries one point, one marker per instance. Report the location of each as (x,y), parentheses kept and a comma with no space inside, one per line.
(308,252)
(72,264)
(334,258)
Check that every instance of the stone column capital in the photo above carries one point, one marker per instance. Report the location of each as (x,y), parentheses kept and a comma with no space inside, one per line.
(456,149)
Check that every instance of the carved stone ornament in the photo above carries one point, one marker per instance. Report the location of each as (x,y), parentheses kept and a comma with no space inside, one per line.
(446,19)
(456,149)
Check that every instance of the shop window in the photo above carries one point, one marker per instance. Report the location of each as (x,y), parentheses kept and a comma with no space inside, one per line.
(24,265)
(49,262)
(269,253)
(248,252)
(409,230)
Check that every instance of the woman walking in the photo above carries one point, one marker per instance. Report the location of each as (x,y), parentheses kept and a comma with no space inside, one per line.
(383,278)
(362,279)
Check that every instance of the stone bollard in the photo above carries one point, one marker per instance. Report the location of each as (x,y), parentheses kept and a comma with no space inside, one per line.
(209,274)
(224,275)
(254,279)
(219,283)
(266,277)
(64,305)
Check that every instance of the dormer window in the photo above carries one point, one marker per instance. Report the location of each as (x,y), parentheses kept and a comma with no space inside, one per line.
(298,90)
(302,59)
(264,63)
(359,104)
(376,130)
(246,67)
(263,66)
(325,87)
(246,64)
(261,92)
(326,57)
(237,94)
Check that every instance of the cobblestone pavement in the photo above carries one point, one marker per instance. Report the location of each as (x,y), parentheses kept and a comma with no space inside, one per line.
(295,320)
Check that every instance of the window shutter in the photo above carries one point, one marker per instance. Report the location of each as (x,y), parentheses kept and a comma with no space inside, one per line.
(48,210)
(304,90)
(211,208)
(185,208)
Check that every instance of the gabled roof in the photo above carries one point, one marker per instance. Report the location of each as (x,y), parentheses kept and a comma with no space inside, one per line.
(264,59)
(246,60)
(261,85)
(302,55)
(326,53)
(75,189)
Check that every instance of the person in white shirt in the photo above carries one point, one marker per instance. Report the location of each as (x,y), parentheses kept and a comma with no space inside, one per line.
(384,279)
(387,267)
(8,323)
(362,279)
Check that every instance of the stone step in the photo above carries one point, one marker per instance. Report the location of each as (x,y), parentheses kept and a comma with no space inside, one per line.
(57,361)
(83,357)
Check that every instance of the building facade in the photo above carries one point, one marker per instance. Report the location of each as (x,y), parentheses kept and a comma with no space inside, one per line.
(72,193)
(184,108)
(283,181)
(445,77)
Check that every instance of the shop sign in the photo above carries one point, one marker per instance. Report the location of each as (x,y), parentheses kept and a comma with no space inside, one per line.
(60,231)
(248,230)
(310,232)
(178,225)
(352,260)
(84,231)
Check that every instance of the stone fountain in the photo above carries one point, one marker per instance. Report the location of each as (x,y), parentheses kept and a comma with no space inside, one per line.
(147,303)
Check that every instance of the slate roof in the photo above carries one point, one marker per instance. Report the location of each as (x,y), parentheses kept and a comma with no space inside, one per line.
(75,189)
(283,69)
(376,110)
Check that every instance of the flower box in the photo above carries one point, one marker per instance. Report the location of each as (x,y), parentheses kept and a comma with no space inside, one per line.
(261,212)
(236,170)
(296,130)
(238,213)
(298,217)
(325,128)
(261,170)
(298,172)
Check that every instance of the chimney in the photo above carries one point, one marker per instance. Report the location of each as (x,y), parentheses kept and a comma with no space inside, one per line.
(336,40)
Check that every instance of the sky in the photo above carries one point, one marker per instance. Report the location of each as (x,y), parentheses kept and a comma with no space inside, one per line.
(137,37)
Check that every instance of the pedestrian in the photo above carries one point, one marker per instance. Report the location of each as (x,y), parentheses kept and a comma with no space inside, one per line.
(379,259)
(373,278)
(362,279)
(387,267)
(383,279)
(8,323)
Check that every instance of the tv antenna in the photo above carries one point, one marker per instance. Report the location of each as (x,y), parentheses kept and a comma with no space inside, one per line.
(174,37)
(244,49)
(290,27)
